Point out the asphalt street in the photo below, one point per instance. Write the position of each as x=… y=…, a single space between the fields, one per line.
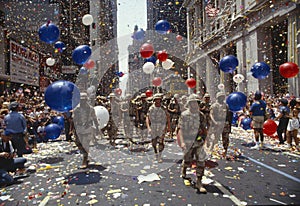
x=117 y=176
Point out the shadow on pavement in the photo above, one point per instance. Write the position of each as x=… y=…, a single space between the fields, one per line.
x=51 y=160
x=84 y=178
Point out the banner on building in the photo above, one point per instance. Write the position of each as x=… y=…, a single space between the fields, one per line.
x=24 y=65
x=69 y=69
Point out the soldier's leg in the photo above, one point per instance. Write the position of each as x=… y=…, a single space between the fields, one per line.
x=161 y=147
x=83 y=151
x=186 y=162
x=154 y=144
x=200 y=166
x=225 y=141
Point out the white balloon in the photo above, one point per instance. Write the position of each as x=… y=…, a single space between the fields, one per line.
x=50 y=61
x=102 y=116
x=91 y=90
x=148 y=67
x=167 y=64
x=238 y=78
x=87 y=19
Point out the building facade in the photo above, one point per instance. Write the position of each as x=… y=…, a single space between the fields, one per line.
x=253 y=31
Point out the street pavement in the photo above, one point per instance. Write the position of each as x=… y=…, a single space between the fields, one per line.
x=118 y=176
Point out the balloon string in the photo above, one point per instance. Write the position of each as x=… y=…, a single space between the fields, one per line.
x=48 y=22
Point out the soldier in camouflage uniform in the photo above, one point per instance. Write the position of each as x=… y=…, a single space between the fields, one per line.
x=205 y=108
x=127 y=121
x=192 y=134
x=174 y=110
x=158 y=123
x=142 y=113
x=84 y=117
x=114 y=116
x=221 y=118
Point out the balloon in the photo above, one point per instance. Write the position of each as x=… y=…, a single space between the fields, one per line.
x=139 y=35
x=179 y=37
x=168 y=64
x=102 y=116
x=52 y=131
x=269 y=127
x=149 y=93
x=228 y=63
x=288 y=70
x=151 y=59
x=236 y=101
x=118 y=91
x=87 y=19
x=148 y=67
x=90 y=64
x=246 y=123
x=62 y=96
x=50 y=61
x=162 y=55
x=60 y=46
x=81 y=54
x=83 y=70
x=238 y=78
x=162 y=26
x=60 y=121
x=260 y=70
x=157 y=81
x=146 y=50
x=191 y=82
x=48 y=33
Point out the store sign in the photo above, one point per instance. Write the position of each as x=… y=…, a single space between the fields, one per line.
x=24 y=65
x=68 y=69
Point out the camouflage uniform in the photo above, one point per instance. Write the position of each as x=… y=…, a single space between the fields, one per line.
x=127 y=121
x=158 y=120
x=192 y=131
x=84 y=118
x=174 y=115
x=221 y=115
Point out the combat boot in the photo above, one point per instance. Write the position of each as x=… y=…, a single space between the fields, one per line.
x=183 y=172
x=199 y=186
x=85 y=161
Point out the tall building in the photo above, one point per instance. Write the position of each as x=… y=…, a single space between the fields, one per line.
x=253 y=31
x=103 y=37
x=22 y=51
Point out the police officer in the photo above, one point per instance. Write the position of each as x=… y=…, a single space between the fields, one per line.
x=158 y=123
x=192 y=134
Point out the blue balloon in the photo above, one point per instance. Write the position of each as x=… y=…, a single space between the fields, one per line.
x=60 y=121
x=49 y=33
x=62 y=96
x=52 y=131
x=246 y=123
x=139 y=35
x=151 y=59
x=81 y=54
x=162 y=26
x=60 y=46
x=228 y=63
x=260 y=70
x=236 y=101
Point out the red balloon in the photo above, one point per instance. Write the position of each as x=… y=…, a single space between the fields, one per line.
x=157 y=81
x=179 y=37
x=288 y=70
x=269 y=127
x=162 y=55
x=191 y=82
x=118 y=91
x=90 y=64
x=146 y=50
x=149 y=93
